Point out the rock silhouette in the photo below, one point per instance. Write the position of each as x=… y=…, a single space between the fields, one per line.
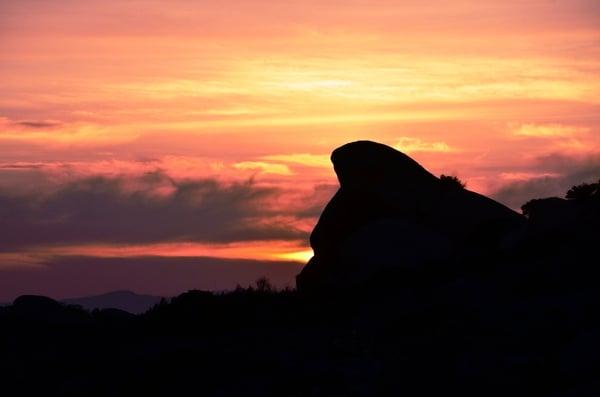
x=391 y=213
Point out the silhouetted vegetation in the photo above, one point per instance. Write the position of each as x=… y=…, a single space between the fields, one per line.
x=530 y=206
x=451 y=182
x=585 y=191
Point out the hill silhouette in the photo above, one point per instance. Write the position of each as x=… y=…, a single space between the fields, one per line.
x=123 y=300
x=418 y=287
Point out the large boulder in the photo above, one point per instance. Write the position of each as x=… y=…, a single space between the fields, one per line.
x=390 y=213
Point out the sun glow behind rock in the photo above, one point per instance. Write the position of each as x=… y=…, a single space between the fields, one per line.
x=298 y=256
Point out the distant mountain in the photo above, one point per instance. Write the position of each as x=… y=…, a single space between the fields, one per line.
x=123 y=300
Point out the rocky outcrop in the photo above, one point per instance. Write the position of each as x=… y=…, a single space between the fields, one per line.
x=391 y=213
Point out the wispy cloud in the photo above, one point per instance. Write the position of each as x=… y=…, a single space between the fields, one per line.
x=305 y=159
x=264 y=167
x=39 y=123
x=56 y=133
x=547 y=130
x=150 y=208
x=556 y=174
x=413 y=145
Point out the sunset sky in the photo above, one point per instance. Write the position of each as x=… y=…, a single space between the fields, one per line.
x=161 y=146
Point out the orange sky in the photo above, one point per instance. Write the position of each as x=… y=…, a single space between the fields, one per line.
x=506 y=95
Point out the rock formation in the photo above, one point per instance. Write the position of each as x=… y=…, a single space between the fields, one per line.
x=390 y=213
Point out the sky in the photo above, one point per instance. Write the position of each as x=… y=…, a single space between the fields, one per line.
x=161 y=146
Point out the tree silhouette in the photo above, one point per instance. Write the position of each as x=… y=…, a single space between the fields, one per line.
x=264 y=285
x=529 y=207
x=585 y=191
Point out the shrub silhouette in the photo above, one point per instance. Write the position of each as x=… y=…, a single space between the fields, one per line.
x=452 y=182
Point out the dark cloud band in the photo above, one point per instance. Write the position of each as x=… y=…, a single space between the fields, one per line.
x=152 y=208
x=571 y=171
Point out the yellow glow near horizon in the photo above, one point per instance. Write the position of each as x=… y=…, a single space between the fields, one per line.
x=257 y=250
x=298 y=256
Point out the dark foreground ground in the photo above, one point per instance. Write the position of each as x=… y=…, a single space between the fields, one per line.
x=492 y=330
